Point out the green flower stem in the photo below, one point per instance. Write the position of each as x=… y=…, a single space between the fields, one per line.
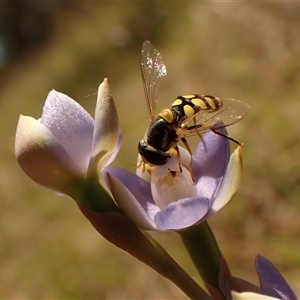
x=120 y=231
x=90 y=194
x=99 y=208
x=204 y=251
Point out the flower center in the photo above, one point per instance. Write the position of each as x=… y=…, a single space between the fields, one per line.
x=172 y=187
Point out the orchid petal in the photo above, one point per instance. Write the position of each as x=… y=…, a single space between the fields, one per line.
x=185 y=157
x=182 y=213
x=139 y=212
x=209 y=162
x=106 y=139
x=271 y=281
x=212 y=154
x=71 y=125
x=230 y=182
x=251 y=296
x=42 y=157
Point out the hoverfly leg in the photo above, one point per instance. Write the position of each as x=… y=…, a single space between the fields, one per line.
x=227 y=137
x=195 y=125
x=186 y=145
x=178 y=158
x=144 y=167
x=195 y=121
x=141 y=165
x=184 y=141
x=175 y=151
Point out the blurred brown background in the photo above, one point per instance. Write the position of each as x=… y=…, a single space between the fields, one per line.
x=247 y=51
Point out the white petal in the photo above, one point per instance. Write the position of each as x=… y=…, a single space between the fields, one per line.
x=230 y=182
x=106 y=133
x=170 y=189
x=43 y=158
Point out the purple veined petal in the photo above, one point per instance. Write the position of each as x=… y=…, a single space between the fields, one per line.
x=71 y=124
x=133 y=196
x=208 y=186
x=271 y=281
x=182 y=213
x=212 y=154
x=43 y=158
x=210 y=160
x=106 y=139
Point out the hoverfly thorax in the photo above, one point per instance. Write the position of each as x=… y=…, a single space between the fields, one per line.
x=188 y=115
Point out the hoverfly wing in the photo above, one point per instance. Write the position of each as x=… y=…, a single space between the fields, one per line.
x=153 y=70
x=231 y=112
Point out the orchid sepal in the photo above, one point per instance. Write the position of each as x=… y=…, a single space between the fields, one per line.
x=125 y=197
x=230 y=182
x=42 y=157
x=107 y=136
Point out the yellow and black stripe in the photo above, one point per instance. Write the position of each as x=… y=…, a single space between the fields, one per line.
x=186 y=106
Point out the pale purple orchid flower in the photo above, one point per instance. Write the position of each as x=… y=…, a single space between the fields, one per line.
x=272 y=284
x=67 y=145
x=271 y=281
x=164 y=202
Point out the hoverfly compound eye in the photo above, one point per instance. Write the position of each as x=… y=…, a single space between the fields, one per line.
x=142 y=145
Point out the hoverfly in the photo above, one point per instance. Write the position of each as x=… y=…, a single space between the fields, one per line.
x=188 y=115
